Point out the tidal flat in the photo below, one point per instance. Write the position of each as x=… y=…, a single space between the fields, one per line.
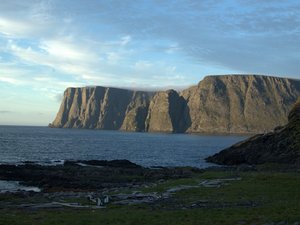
x=120 y=192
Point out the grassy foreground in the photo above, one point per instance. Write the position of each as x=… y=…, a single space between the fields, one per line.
x=257 y=198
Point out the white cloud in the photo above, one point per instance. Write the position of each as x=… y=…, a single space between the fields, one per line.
x=10 y=74
x=113 y=57
x=9 y=80
x=118 y=44
x=66 y=50
x=59 y=55
x=45 y=84
x=41 y=11
x=125 y=40
x=74 y=58
x=41 y=41
x=173 y=48
x=171 y=69
x=142 y=65
x=14 y=28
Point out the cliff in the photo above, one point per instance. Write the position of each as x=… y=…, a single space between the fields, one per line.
x=166 y=113
x=280 y=146
x=240 y=104
x=218 y=104
x=103 y=108
x=136 y=112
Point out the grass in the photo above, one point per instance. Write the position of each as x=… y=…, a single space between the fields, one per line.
x=276 y=197
x=264 y=188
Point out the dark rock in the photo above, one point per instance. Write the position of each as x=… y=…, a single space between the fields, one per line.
x=89 y=175
x=280 y=146
x=112 y=163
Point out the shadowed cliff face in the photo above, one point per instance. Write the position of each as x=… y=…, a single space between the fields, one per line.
x=136 y=112
x=218 y=104
x=166 y=113
x=280 y=146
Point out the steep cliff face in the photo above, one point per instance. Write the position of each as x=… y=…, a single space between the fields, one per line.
x=218 y=104
x=103 y=108
x=137 y=111
x=166 y=113
x=240 y=104
x=280 y=146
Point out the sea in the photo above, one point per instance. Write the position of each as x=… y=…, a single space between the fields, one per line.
x=43 y=145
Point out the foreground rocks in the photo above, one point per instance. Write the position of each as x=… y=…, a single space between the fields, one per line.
x=89 y=175
x=94 y=184
x=87 y=184
x=280 y=146
x=218 y=104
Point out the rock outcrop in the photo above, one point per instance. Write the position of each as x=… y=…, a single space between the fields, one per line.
x=136 y=112
x=103 y=108
x=240 y=104
x=218 y=104
x=280 y=146
x=166 y=112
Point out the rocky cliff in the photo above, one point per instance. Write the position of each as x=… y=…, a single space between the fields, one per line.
x=103 y=108
x=166 y=113
x=240 y=104
x=218 y=104
x=136 y=112
x=280 y=146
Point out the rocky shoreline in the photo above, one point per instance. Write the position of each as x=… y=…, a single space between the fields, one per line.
x=95 y=182
x=89 y=190
x=90 y=175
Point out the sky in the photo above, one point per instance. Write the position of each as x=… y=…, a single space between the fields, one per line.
x=49 y=45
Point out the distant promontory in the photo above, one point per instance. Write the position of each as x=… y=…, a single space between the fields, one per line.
x=218 y=104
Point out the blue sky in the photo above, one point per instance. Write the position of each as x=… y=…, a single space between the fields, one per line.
x=47 y=46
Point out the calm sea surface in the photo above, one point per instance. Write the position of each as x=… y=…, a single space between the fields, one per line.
x=47 y=145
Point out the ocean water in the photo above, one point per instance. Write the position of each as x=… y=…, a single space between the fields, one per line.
x=50 y=145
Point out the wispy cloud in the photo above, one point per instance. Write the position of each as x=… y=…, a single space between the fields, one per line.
x=14 y=28
x=84 y=64
x=125 y=40
x=239 y=35
x=9 y=80
x=58 y=55
x=142 y=65
x=66 y=50
x=113 y=57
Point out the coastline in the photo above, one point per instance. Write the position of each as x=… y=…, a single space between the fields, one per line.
x=241 y=191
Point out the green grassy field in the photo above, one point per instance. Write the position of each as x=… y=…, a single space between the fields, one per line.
x=257 y=198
